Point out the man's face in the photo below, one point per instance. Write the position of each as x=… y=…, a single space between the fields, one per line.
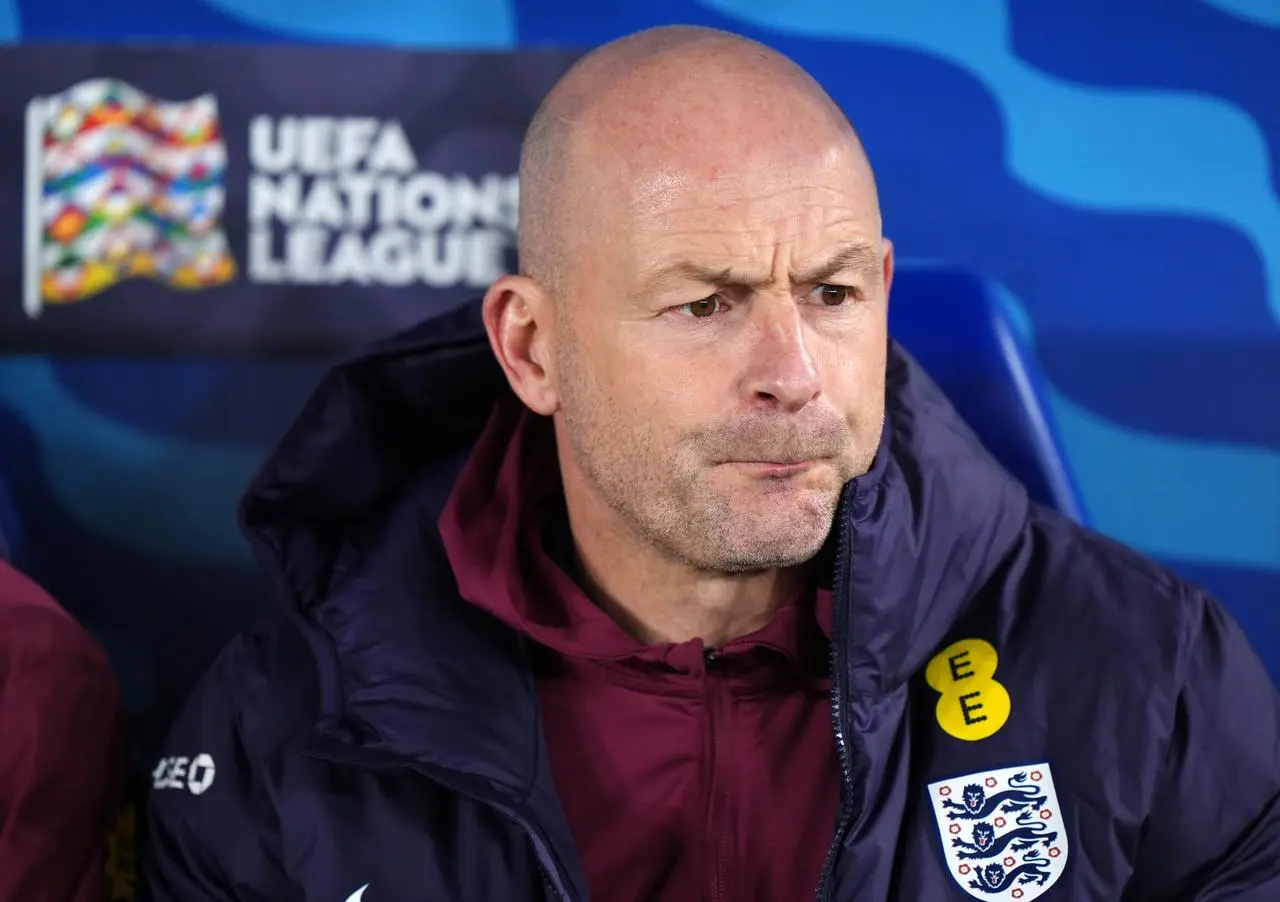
x=721 y=351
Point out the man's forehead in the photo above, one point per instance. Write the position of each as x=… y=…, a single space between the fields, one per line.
x=728 y=224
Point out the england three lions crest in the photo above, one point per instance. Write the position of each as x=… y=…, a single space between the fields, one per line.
x=1002 y=832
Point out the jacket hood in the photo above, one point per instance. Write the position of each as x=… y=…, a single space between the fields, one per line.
x=344 y=515
x=506 y=533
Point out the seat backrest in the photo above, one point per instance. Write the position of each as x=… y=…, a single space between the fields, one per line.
x=125 y=475
x=969 y=340
x=10 y=525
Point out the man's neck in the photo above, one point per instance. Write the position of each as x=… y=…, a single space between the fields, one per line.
x=657 y=599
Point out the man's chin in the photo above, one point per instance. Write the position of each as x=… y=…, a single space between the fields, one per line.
x=767 y=557
x=747 y=543
x=784 y=504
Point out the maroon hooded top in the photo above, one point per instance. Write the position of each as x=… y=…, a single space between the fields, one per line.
x=684 y=775
x=61 y=744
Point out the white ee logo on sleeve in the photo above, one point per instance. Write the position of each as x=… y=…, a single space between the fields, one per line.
x=192 y=774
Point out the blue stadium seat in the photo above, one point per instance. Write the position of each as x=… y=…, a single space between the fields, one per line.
x=10 y=526
x=968 y=337
x=125 y=474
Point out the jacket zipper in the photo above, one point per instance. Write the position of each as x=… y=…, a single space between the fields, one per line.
x=715 y=814
x=550 y=873
x=546 y=863
x=837 y=719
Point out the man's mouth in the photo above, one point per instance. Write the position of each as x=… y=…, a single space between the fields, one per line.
x=773 y=469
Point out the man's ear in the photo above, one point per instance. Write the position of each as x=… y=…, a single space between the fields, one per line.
x=520 y=320
x=887 y=257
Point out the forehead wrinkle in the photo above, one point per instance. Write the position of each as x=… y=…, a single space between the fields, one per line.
x=853 y=255
x=675 y=198
x=806 y=223
x=743 y=240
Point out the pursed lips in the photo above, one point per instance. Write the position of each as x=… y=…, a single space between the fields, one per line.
x=774 y=468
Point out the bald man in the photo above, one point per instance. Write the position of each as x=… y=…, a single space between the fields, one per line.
x=662 y=574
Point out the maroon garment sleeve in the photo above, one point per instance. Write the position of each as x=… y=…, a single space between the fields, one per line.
x=60 y=750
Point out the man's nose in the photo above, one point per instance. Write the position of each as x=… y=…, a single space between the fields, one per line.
x=782 y=371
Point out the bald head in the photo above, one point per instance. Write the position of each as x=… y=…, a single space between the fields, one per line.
x=659 y=104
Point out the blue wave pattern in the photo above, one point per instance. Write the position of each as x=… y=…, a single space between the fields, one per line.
x=1258 y=12
x=1114 y=165
x=475 y=24
x=176 y=498
x=1166 y=44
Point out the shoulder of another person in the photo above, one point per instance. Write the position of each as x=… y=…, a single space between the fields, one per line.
x=36 y=631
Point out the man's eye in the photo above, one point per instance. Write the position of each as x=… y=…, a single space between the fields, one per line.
x=701 y=309
x=835 y=295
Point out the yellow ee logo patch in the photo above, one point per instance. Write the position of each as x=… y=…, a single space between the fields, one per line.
x=973 y=705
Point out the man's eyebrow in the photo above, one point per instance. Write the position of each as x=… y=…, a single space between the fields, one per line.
x=859 y=256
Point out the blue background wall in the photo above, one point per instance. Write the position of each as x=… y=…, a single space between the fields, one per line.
x=1114 y=164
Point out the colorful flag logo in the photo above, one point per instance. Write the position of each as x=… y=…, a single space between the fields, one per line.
x=122 y=185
